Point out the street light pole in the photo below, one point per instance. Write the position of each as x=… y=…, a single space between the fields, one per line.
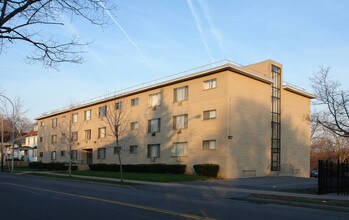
x=13 y=130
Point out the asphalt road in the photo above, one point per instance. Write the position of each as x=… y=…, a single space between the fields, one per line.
x=29 y=197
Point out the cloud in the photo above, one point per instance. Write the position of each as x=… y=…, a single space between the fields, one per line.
x=127 y=36
x=199 y=27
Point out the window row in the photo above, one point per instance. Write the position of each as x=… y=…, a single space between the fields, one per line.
x=179 y=149
x=179 y=94
x=154 y=125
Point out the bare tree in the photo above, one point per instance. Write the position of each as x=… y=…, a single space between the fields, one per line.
x=117 y=120
x=329 y=94
x=26 y=20
x=69 y=135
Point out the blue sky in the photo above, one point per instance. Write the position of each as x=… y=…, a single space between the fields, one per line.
x=155 y=38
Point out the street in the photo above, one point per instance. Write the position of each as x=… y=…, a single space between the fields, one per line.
x=30 y=197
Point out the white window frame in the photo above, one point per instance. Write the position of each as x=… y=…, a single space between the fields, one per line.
x=210 y=84
x=88 y=134
x=53 y=155
x=209 y=144
x=102 y=113
x=180 y=149
x=54 y=122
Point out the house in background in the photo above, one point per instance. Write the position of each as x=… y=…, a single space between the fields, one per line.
x=28 y=151
x=243 y=118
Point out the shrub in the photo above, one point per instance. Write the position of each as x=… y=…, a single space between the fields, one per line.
x=206 y=169
x=51 y=166
x=141 y=168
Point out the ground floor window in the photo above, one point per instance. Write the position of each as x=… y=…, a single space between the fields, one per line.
x=62 y=153
x=74 y=154
x=101 y=153
x=133 y=149
x=153 y=151
x=53 y=155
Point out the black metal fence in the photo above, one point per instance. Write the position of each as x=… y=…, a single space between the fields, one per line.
x=333 y=177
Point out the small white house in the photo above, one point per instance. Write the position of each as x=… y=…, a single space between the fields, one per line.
x=29 y=150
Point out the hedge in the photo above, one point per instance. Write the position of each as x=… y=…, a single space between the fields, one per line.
x=51 y=166
x=141 y=168
x=207 y=169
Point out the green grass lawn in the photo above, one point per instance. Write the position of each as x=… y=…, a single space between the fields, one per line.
x=150 y=177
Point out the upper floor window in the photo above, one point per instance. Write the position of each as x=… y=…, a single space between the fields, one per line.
x=118 y=105
x=102 y=132
x=102 y=111
x=88 y=134
x=210 y=114
x=74 y=136
x=180 y=94
x=179 y=149
x=87 y=115
x=154 y=125
x=209 y=145
x=63 y=118
x=54 y=122
x=210 y=84
x=53 y=139
x=75 y=117
x=154 y=99
x=134 y=101
x=42 y=124
x=41 y=139
x=180 y=122
x=134 y=125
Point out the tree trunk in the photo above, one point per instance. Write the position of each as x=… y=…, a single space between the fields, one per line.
x=120 y=164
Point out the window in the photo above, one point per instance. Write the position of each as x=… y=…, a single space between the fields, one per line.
x=209 y=145
x=74 y=154
x=210 y=84
x=41 y=154
x=153 y=151
x=211 y=114
x=53 y=139
x=41 y=139
x=101 y=153
x=54 y=122
x=154 y=99
x=63 y=118
x=154 y=125
x=103 y=111
x=88 y=134
x=180 y=94
x=134 y=101
x=75 y=118
x=42 y=124
x=74 y=136
x=53 y=155
x=35 y=152
x=133 y=149
x=117 y=150
x=134 y=125
x=118 y=105
x=87 y=115
x=101 y=132
x=35 y=140
x=179 y=149
x=62 y=153
x=28 y=141
x=180 y=122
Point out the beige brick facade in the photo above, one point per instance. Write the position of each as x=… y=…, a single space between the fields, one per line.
x=227 y=114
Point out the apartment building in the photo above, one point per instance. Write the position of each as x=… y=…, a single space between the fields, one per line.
x=240 y=117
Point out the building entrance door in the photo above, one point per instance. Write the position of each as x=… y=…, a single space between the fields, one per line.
x=89 y=157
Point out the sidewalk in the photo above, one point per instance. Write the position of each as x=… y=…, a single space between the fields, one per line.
x=207 y=189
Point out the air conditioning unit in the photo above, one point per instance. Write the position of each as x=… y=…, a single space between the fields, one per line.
x=179 y=131
x=153 y=134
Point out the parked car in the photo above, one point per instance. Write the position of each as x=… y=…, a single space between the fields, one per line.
x=314 y=173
